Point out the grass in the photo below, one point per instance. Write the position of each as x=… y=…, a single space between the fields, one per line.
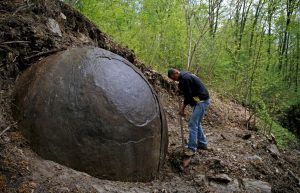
x=284 y=138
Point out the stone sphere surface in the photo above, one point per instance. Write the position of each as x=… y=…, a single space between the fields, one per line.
x=92 y=110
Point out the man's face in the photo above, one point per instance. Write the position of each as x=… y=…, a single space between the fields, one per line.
x=175 y=76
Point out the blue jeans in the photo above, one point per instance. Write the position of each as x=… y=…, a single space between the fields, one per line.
x=196 y=136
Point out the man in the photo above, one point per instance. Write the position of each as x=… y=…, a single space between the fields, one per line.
x=197 y=96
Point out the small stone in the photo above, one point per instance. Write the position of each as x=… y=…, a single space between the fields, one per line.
x=247 y=136
x=63 y=16
x=254 y=158
x=221 y=178
x=54 y=27
x=230 y=187
x=273 y=150
x=5 y=138
x=254 y=146
x=200 y=179
x=252 y=185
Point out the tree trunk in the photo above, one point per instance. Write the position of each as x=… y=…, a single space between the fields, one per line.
x=271 y=9
x=297 y=61
x=283 y=58
x=256 y=17
x=190 y=39
x=213 y=15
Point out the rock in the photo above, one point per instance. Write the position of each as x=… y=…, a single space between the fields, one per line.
x=63 y=15
x=254 y=146
x=92 y=110
x=220 y=178
x=252 y=185
x=54 y=27
x=200 y=179
x=98 y=188
x=5 y=139
x=203 y=181
x=246 y=136
x=233 y=186
x=215 y=163
x=254 y=158
x=272 y=148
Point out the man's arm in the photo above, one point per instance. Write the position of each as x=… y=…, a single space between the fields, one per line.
x=187 y=92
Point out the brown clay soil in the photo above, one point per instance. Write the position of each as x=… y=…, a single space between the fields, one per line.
x=26 y=37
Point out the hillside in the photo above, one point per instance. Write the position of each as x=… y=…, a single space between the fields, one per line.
x=241 y=160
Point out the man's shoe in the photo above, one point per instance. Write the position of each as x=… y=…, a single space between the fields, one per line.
x=188 y=152
x=202 y=147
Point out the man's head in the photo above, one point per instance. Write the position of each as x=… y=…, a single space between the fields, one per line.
x=174 y=74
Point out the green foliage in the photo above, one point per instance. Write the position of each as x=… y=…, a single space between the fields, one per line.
x=154 y=29
x=283 y=136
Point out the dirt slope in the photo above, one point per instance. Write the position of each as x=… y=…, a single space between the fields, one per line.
x=241 y=160
x=23 y=171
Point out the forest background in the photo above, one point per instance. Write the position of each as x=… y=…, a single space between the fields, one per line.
x=246 y=50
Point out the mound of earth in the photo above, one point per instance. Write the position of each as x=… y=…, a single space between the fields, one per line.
x=240 y=161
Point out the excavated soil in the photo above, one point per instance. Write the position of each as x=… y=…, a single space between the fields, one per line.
x=29 y=32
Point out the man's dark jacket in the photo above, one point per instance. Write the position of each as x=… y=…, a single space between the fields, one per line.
x=192 y=86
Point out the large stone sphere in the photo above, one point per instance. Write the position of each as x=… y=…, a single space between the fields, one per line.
x=93 y=111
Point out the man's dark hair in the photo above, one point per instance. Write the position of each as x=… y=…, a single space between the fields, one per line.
x=171 y=71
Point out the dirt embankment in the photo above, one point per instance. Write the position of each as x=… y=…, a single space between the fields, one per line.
x=241 y=160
